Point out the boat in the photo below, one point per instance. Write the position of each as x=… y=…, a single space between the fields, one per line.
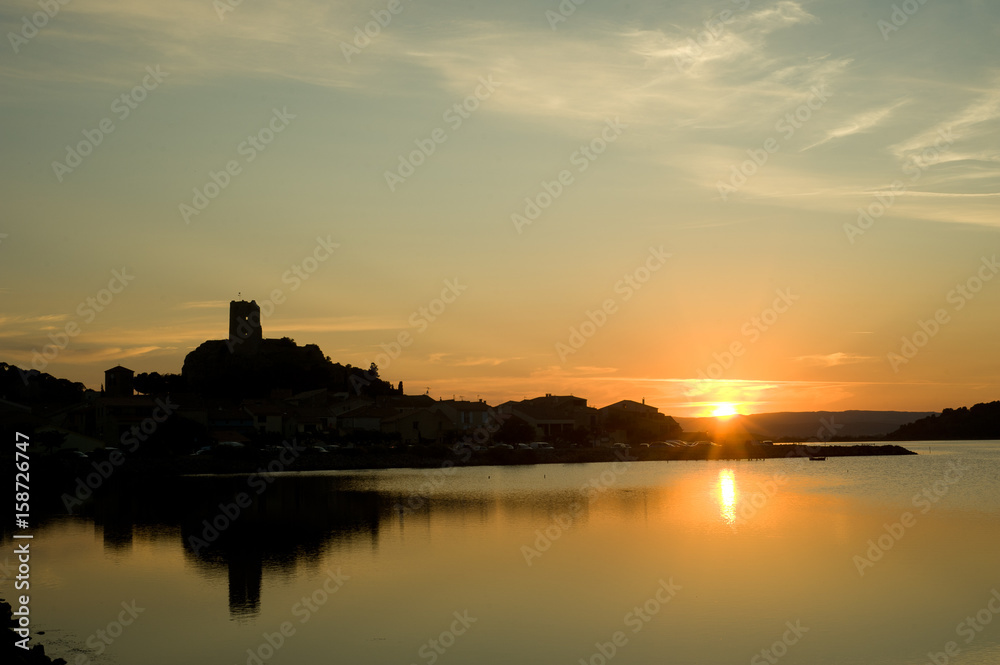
x=817 y=459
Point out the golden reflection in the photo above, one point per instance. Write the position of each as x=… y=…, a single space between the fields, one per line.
x=727 y=495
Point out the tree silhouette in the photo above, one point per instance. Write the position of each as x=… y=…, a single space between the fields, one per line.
x=981 y=421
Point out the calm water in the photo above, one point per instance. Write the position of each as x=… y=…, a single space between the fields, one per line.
x=670 y=562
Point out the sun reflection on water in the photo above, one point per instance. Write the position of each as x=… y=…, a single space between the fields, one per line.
x=727 y=495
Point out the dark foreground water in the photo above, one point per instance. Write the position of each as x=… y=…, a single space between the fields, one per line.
x=875 y=561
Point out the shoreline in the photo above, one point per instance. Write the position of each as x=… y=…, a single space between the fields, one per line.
x=14 y=654
x=76 y=480
x=360 y=459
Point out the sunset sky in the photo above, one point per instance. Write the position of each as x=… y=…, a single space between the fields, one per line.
x=359 y=191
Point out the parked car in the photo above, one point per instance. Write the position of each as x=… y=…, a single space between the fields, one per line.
x=72 y=454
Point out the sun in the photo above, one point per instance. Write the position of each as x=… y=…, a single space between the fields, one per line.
x=724 y=410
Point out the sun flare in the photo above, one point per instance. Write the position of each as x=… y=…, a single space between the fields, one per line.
x=724 y=410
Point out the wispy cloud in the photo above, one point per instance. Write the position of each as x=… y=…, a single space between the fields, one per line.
x=974 y=125
x=984 y=109
x=25 y=320
x=743 y=37
x=474 y=361
x=860 y=123
x=835 y=359
x=329 y=324
x=218 y=305
x=81 y=354
x=595 y=73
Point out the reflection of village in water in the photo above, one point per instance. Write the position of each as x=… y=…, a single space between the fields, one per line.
x=299 y=518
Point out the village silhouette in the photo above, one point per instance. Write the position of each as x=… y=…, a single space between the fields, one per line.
x=248 y=393
x=251 y=390
x=128 y=456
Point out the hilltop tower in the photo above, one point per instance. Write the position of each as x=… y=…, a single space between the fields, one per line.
x=245 y=332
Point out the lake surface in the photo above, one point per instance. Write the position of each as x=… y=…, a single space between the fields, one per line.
x=878 y=560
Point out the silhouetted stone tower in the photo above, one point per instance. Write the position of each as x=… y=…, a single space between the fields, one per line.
x=245 y=332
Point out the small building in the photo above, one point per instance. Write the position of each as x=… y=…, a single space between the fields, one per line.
x=464 y=414
x=417 y=426
x=118 y=415
x=269 y=416
x=553 y=416
x=637 y=422
x=118 y=382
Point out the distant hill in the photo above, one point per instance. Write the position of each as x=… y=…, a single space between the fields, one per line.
x=809 y=424
x=981 y=421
